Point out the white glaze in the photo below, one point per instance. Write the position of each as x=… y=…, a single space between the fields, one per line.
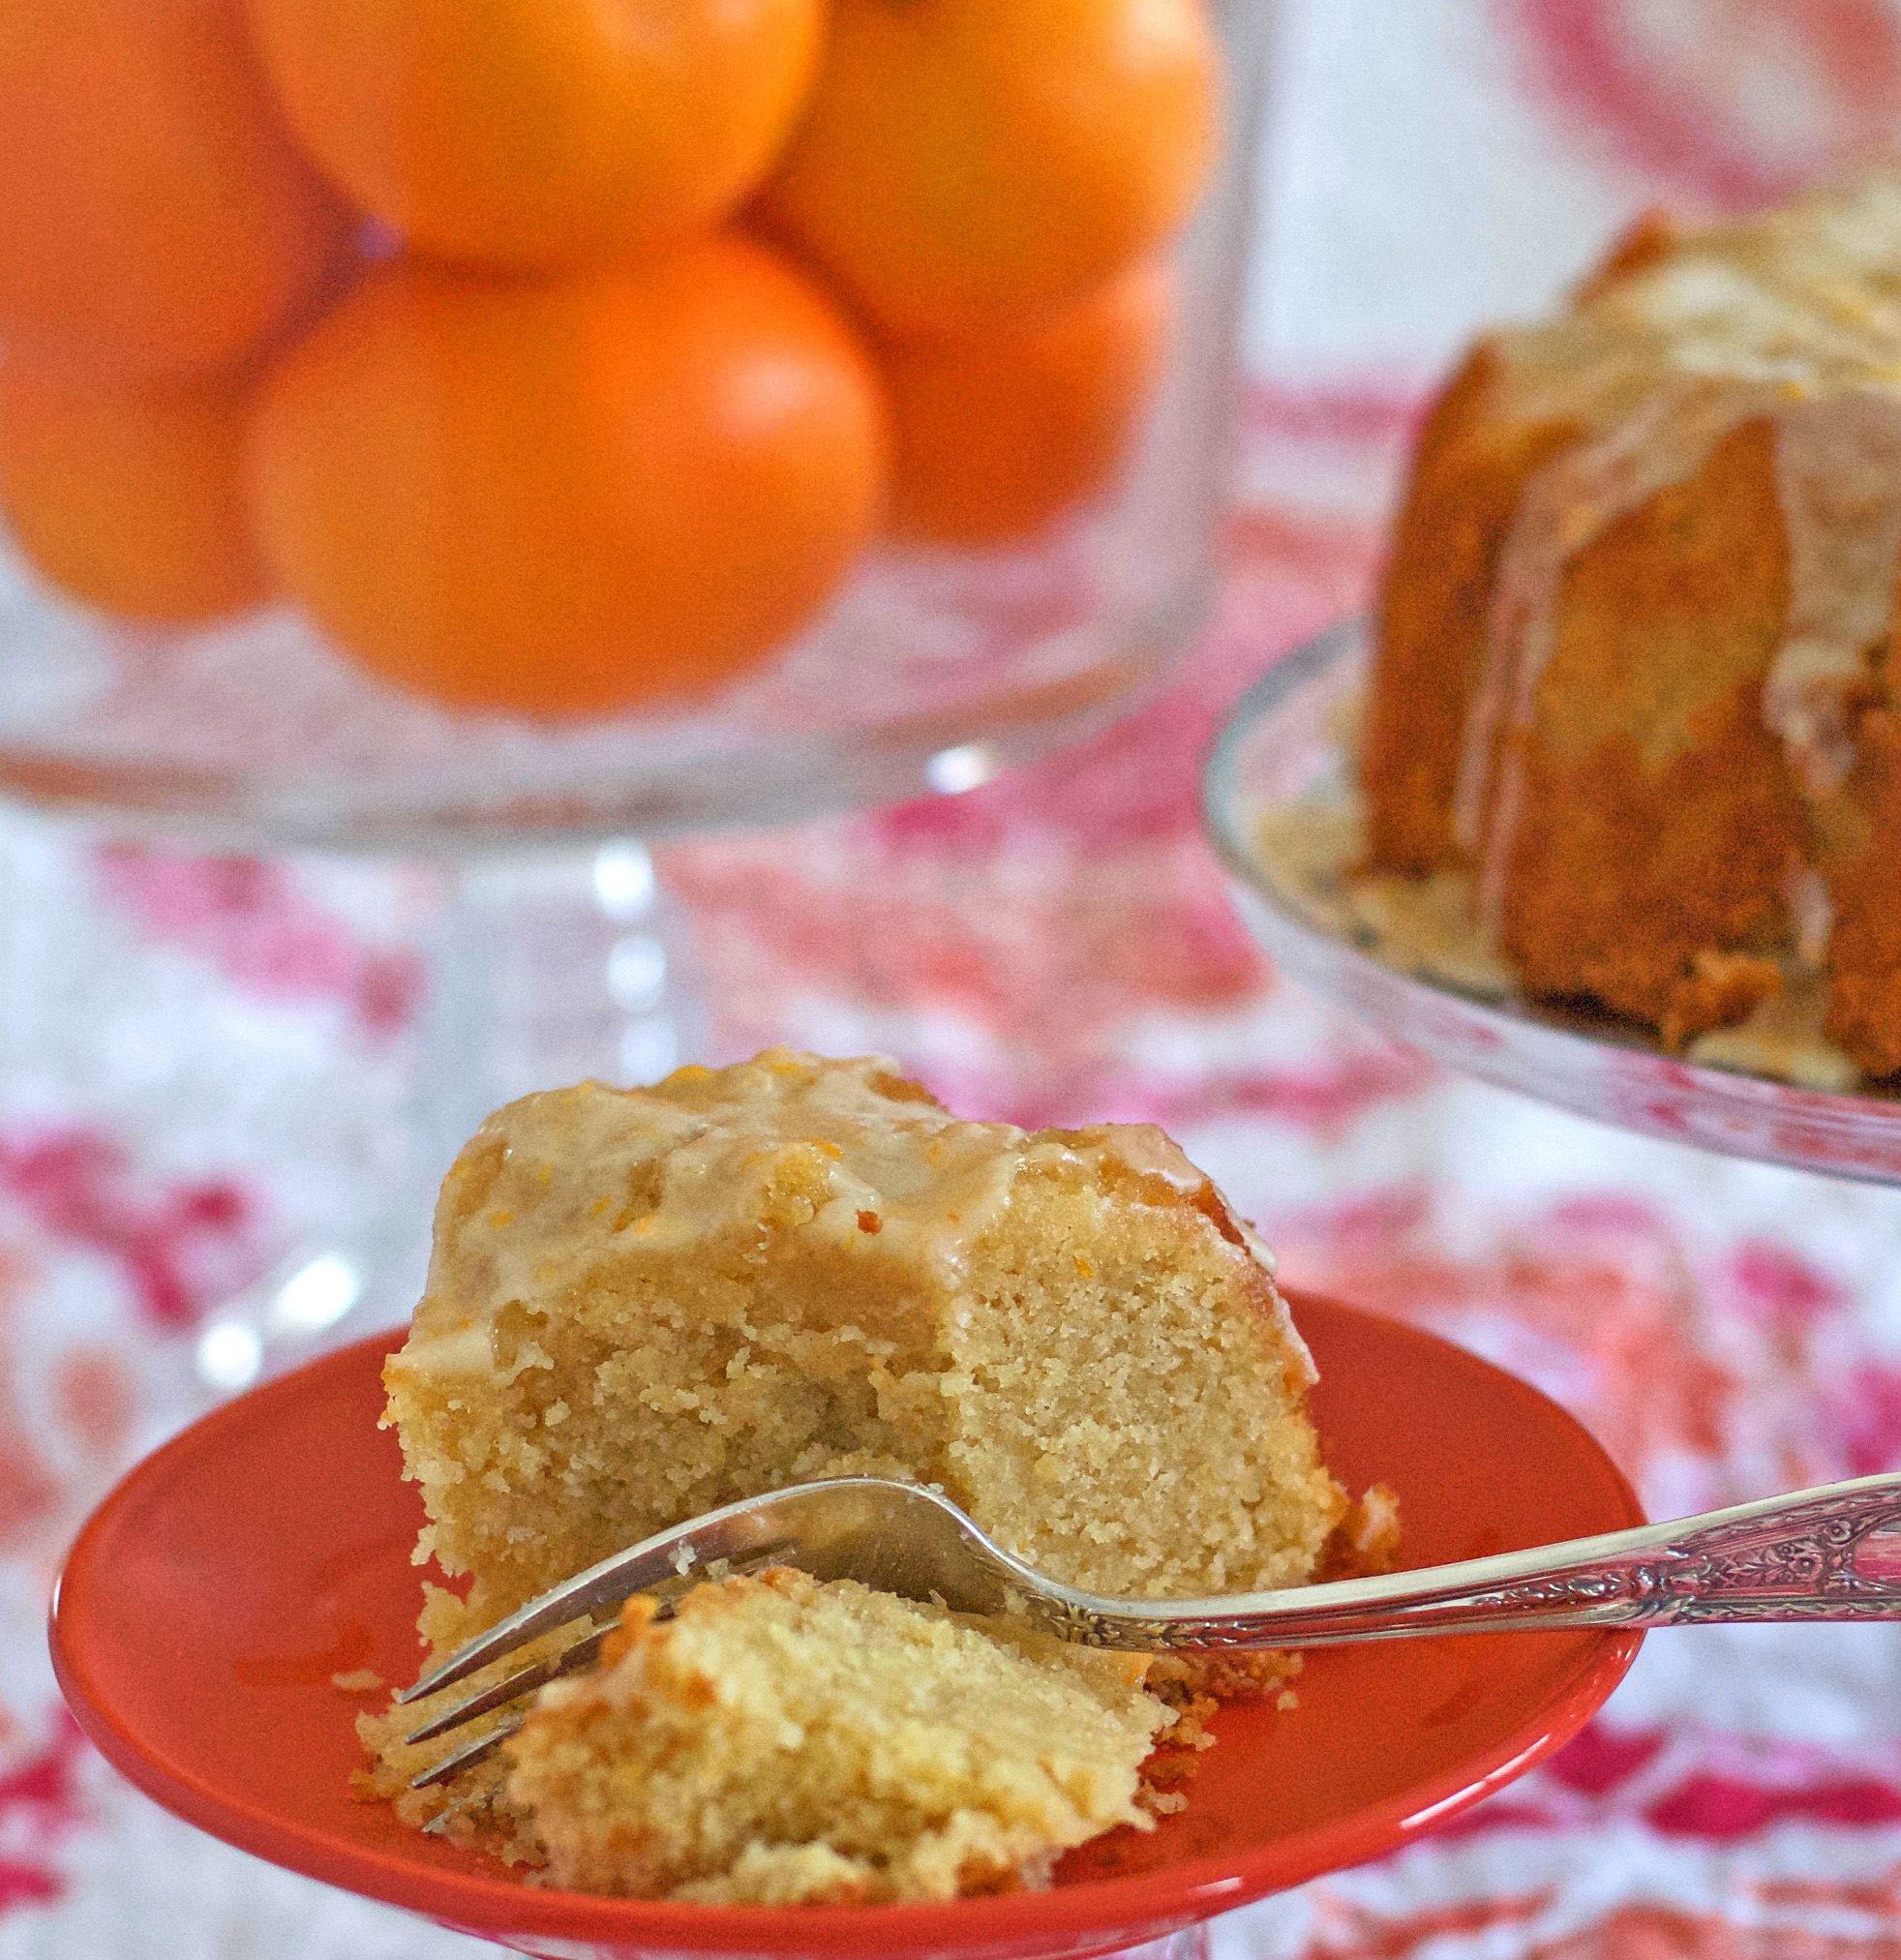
x=1792 y=317
x=897 y=1177
x=1838 y=479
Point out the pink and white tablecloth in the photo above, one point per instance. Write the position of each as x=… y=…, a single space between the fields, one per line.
x=1056 y=947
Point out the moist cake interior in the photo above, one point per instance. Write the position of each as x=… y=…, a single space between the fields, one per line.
x=646 y=1304
x=782 y=1741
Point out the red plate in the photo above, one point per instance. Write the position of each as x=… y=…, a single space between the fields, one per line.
x=211 y=1597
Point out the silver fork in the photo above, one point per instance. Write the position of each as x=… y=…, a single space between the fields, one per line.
x=1809 y=1556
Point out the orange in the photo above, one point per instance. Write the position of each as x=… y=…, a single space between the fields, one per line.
x=153 y=217
x=967 y=163
x=541 y=131
x=563 y=496
x=994 y=435
x=130 y=496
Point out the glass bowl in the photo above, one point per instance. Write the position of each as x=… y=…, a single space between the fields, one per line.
x=534 y=937
x=929 y=668
x=1285 y=749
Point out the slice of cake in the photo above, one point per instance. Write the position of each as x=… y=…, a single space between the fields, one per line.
x=779 y=1741
x=644 y=1303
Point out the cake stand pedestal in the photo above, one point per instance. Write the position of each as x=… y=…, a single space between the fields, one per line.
x=219 y=1016
x=551 y=968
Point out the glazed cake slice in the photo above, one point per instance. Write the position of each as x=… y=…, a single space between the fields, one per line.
x=780 y=1741
x=646 y=1303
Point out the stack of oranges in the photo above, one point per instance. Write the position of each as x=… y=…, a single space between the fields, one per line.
x=552 y=354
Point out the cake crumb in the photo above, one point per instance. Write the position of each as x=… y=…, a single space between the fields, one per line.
x=357 y=1681
x=1313 y=852
x=1720 y=990
x=665 y=1772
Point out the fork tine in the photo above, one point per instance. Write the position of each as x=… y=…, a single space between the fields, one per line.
x=609 y=1582
x=578 y=1655
x=570 y=1659
x=466 y=1757
x=652 y=1565
x=833 y=1528
x=524 y=1680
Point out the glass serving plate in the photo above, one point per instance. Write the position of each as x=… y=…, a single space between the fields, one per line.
x=1286 y=749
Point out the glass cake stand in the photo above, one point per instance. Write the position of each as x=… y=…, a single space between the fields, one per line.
x=509 y=866
x=508 y=860
x=1282 y=772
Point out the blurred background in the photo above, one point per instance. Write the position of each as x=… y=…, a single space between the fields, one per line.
x=1053 y=945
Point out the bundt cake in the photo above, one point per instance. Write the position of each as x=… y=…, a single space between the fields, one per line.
x=1632 y=669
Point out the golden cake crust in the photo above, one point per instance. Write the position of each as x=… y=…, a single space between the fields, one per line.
x=1858 y=853
x=1659 y=818
x=1637 y=611
x=1472 y=463
x=1477 y=451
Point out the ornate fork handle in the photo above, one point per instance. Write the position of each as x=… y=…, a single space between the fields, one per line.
x=1785 y=1558
x=1822 y=1553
